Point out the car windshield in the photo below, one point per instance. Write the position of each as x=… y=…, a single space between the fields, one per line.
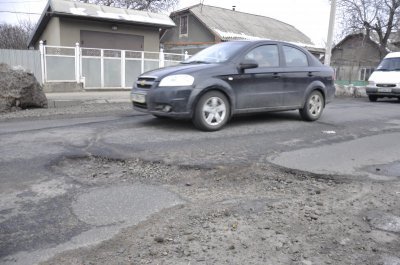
x=389 y=64
x=217 y=53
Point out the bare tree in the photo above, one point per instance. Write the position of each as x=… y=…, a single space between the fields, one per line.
x=379 y=17
x=149 y=5
x=15 y=36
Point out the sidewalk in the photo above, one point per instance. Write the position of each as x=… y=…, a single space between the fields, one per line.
x=57 y=100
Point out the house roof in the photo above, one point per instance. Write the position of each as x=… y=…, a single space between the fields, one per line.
x=64 y=8
x=227 y=24
x=392 y=45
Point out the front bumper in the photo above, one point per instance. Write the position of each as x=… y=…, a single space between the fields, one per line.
x=383 y=91
x=163 y=101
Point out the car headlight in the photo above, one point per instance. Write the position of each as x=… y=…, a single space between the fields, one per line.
x=371 y=83
x=177 y=80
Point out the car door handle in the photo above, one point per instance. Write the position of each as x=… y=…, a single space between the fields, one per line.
x=276 y=75
x=310 y=74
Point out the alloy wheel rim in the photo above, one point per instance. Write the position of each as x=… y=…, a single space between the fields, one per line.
x=214 y=111
x=315 y=105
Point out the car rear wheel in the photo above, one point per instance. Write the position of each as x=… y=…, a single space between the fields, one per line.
x=313 y=107
x=372 y=98
x=211 y=112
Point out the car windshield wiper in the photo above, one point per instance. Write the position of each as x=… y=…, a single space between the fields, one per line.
x=195 y=62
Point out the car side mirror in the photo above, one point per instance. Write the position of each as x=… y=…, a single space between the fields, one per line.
x=248 y=64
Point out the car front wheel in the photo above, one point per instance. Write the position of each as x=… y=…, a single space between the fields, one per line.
x=313 y=107
x=372 y=98
x=211 y=112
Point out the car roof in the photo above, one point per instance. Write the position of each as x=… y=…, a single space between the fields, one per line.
x=393 y=55
x=270 y=42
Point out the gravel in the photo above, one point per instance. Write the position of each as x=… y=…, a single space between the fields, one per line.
x=247 y=214
x=238 y=214
x=69 y=111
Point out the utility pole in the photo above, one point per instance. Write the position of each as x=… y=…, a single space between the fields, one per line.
x=328 y=50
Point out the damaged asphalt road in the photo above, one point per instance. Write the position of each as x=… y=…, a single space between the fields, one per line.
x=127 y=188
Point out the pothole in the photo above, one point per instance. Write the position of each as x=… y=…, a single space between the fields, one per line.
x=384 y=221
x=127 y=205
x=93 y=170
x=390 y=260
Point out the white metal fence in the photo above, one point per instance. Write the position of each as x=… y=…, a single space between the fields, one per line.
x=100 y=68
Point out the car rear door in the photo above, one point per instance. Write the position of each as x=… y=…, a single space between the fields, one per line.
x=259 y=87
x=296 y=76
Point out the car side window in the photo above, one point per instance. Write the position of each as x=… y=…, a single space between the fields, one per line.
x=265 y=56
x=294 y=57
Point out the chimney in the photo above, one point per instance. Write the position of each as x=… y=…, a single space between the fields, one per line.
x=233 y=8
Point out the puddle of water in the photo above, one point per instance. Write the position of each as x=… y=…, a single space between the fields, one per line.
x=390 y=170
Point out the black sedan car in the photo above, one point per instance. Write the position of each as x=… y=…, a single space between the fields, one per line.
x=236 y=77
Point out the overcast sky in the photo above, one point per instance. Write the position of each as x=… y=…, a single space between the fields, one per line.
x=309 y=16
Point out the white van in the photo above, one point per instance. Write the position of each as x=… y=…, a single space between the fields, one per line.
x=385 y=80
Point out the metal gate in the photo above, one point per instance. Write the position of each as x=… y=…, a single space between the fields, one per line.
x=101 y=68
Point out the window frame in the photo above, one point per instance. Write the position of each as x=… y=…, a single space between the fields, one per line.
x=263 y=45
x=364 y=72
x=294 y=48
x=181 y=21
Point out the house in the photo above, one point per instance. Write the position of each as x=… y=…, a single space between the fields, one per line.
x=356 y=56
x=65 y=23
x=200 y=26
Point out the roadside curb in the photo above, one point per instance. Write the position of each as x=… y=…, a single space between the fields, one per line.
x=351 y=91
x=69 y=99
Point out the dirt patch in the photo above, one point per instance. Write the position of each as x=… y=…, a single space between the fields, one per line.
x=243 y=214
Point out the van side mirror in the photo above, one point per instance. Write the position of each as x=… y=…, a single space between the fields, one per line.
x=248 y=64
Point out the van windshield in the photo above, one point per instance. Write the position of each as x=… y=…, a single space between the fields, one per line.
x=389 y=64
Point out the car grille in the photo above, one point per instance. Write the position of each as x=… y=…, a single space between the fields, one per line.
x=386 y=85
x=145 y=82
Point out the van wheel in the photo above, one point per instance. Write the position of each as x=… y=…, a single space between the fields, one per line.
x=313 y=107
x=211 y=112
x=372 y=98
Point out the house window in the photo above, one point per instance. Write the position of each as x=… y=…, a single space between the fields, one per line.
x=183 y=30
x=365 y=73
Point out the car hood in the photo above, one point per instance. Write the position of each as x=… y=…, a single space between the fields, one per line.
x=179 y=69
x=381 y=77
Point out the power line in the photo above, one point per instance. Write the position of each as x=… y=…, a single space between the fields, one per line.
x=19 y=2
x=16 y=12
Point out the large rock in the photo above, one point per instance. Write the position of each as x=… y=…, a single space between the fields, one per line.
x=19 y=90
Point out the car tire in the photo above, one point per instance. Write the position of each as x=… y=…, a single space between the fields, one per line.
x=211 y=112
x=372 y=98
x=313 y=106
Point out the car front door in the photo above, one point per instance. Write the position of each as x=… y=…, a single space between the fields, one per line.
x=260 y=87
x=296 y=76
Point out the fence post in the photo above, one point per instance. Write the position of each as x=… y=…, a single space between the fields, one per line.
x=161 y=61
x=123 y=63
x=77 y=63
x=102 y=68
x=186 y=55
x=142 y=64
x=42 y=61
